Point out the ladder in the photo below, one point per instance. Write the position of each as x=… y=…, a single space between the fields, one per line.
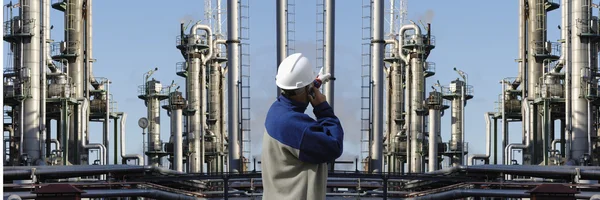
x=245 y=80
x=291 y=27
x=320 y=61
x=365 y=114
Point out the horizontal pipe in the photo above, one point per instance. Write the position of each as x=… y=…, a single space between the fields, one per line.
x=148 y=193
x=25 y=172
x=488 y=146
x=585 y=172
x=464 y=193
x=124 y=156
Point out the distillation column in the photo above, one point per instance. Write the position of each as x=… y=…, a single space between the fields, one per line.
x=458 y=93
x=233 y=90
x=177 y=103
x=377 y=91
x=153 y=95
x=580 y=60
x=395 y=118
x=214 y=121
x=536 y=37
x=435 y=106
x=74 y=52
x=30 y=75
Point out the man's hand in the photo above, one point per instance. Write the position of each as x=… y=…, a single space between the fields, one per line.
x=318 y=99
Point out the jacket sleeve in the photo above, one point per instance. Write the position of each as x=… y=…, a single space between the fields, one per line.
x=322 y=140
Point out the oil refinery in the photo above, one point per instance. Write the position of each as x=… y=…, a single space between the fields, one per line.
x=54 y=104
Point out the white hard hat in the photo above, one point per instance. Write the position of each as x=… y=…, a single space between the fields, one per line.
x=294 y=72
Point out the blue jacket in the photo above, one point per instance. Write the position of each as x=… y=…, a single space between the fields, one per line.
x=296 y=149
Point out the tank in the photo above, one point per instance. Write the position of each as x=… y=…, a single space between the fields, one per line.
x=98 y=105
x=59 y=88
x=551 y=88
x=512 y=105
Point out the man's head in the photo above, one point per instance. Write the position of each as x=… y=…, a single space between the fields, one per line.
x=295 y=77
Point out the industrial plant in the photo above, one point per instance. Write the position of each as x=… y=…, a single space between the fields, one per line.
x=52 y=99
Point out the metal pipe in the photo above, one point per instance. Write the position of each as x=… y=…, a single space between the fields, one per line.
x=56 y=144
x=554 y=142
x=522 y=42
x=330 y=49
x=99 y=147
x=506 y=193
x=30 y=74
x=434 y=117
x=106 y=119
x=580 y=60
x=233 y=90
x=176 y=118
x=281 y=18
x=510 y=147
x=377 y=78
x=107 y=193
x=505 y=135
x=407 y=109
x=43 y=83
x=124 y=156
x=566 y=24
x=74 y=38
x=488 y=142
x=67 y=171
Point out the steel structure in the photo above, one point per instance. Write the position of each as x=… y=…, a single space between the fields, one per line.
x=403 y=153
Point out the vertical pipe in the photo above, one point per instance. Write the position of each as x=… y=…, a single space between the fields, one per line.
x=566 y=148
x=330 y=49
x=456 y=135
x=116 y=139
x=434 y=117
x=233 y=84
x=416 y=121
x=504 y=122
x=106 y=119
x=153 y=89
x=281 y=32
x=537 y=37
x=74 y=40
x=396 y=99
x=462 y=120
x=31 y=74
x=408 y=110
x=377 y=77
x=496 y=141
x=177 y=131
x=195 y=123
x=44 y=55
x=522 y=41
x=579 y=61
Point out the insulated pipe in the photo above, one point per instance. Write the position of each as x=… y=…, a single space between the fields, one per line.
x=124 y=156
x=330 y=49
x=107 y=193
x=522 y=42
x=68 y=171
x=56 y=144
x=407 y=107
x=488 y=141
x=100 y=147
x=176 y=118
x=506 y=193
x=74 y=38
x=30 y=74
x=580 y=60
x=377 y=79
x=566 y=10
x=233 y=90
x=403 y=29
x=434 y=117
x=505 y=135
x=43 y=83
x=510 y=147
x=106 y=118
x=281 y=34
x=554 y=142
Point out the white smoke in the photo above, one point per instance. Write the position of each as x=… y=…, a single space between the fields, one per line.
x=187 y=18
x=427 y=17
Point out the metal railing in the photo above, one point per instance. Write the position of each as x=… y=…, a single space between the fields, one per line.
x=181 y=67
x=547 y=48
x=429 y=67
x=142 y=91
x=61 y=48
x=447 y=90
x=413 y=39
x=18 y=26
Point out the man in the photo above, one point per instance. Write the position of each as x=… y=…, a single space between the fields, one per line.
x=296 y=148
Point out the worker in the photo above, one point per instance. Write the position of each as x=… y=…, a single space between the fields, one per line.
x=296 y=148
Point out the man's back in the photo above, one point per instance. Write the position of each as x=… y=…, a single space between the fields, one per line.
x=296 y=149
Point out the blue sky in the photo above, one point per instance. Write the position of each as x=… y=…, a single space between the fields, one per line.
x=132 y=37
